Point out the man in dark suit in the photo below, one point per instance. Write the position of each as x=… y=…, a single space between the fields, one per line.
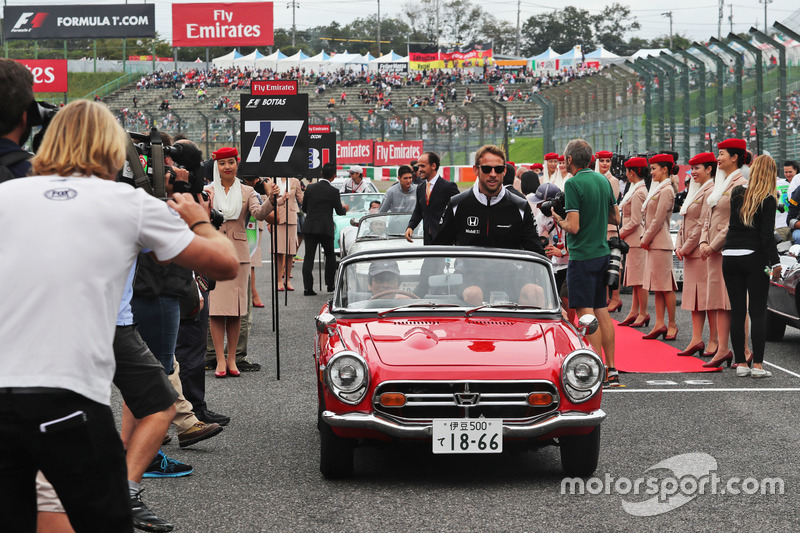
x=432 y=197
x=320 y=201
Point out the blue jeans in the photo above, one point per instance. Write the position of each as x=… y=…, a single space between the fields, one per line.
x=158 y=320
x=796 y=236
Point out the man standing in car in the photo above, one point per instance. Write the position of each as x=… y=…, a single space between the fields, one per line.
x=432 y=197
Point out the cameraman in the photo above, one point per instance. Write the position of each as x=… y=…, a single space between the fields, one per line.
x=16 y=86
x=590 y=207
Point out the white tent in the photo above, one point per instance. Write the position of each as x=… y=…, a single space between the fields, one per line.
x=248 y=61
x=316 y=63
x=391 y=57
x=270 y=61
x=547 y=54
x=226 y=61
x=346 y=58
x=601 y=54
x=571 y=58
x=291 y=61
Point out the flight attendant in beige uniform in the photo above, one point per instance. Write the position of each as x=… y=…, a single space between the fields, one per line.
x=550 y=167
x=687 y=249
x=656 y=240
x=631 y=232
x=715 y=229
x=603 y=166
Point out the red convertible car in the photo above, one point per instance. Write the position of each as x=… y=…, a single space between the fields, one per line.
x=462 y=348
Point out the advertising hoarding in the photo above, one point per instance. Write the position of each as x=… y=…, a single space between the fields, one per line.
x=222 y=24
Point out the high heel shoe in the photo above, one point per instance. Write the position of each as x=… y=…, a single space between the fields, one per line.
x=718 y=363
x=711 y=354
x=628 y=321
x=656 y=333
x=643 y=323
x=691 y=350
x=672 y=337
x=220 y=374
x=234 y=373
x=615 y=309
x=747 y=362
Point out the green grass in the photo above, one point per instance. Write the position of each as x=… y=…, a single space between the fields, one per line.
x=81 y=84
x=525 y=150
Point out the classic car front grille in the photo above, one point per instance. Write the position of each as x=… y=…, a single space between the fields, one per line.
x=426 y=400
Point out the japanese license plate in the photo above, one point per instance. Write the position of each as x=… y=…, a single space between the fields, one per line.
x=457 y=435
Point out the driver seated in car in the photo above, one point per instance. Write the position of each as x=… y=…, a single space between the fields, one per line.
x=529 y=294
x=377 y=228
x=384 y=280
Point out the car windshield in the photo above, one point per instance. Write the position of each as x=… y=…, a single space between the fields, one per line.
x=413 y=282
x=359 y=202
x=387 y=226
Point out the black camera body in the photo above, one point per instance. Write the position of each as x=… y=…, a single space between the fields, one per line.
x=147 y=149
x=619 y=248
x=555 y=205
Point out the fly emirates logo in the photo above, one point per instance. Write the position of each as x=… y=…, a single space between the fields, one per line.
x=222 y=27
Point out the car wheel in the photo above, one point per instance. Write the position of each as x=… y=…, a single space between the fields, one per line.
x=579 y=453
x=335 y=454
x=776 y=327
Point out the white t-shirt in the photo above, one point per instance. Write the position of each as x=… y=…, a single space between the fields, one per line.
x=67 y=245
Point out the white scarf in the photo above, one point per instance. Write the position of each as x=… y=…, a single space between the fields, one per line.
x=230 y=203
x=283 y=185
x=691 y=194
x=546 y=178
x=629 y=193
x=560 y=180
x=654 y=188
x=721 y=182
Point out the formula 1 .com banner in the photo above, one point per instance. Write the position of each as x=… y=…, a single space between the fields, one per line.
x=79 y=21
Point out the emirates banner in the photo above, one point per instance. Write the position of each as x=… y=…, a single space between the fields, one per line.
x=49 y=75
x=354 y=152
x=321 y=148
x=79 y=21
x=397 y=152
x=235 y=24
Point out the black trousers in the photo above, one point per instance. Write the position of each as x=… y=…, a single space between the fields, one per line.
x=190 y=352
x=311 y=242
x=744 y=276
x=82 y=456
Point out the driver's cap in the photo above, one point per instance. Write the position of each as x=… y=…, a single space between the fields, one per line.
x=383 y=266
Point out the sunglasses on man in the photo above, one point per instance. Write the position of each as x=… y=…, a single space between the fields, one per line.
x=487 y=169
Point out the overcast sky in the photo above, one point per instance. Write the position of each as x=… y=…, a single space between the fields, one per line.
x=694 y=18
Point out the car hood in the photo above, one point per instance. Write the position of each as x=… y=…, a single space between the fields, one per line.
x=462 y=342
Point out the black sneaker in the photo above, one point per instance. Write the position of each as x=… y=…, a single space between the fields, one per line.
x=144 y=518
x=210 y=417
x=163 y=466
x=246 y=366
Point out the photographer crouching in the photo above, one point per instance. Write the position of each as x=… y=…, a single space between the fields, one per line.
x=590 y=206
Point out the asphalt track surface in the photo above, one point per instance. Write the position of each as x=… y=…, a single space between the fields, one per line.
x=262 y=472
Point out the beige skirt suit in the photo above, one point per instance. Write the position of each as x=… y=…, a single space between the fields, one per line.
x=614 y=182
x=695 y=270
x=658 y=271
x=715 y=230
x=295 y=194
x=631 y=232
x=229 y=298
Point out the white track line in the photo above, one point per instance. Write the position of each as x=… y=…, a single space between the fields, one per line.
x=743 y=389
x=782 y=369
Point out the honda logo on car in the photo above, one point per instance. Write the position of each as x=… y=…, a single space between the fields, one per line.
x=234 y=24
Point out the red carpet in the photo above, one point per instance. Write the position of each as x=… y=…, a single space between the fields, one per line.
x=634 y=354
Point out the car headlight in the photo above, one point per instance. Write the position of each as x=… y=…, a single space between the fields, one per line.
x=581 y=375
x=348 y=376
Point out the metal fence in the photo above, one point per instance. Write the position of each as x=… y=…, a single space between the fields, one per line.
x=688 y=100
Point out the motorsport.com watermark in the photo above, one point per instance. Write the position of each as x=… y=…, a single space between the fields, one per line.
x=693 y=474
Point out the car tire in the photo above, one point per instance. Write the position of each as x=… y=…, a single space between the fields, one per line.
x=335 y=454
x=580 y=453
x=776 y=327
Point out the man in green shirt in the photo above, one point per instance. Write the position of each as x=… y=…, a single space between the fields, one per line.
x=590 y=207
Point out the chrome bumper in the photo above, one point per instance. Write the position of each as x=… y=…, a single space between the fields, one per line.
x=393 y=428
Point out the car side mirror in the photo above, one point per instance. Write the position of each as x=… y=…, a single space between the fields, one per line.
x=587 y=324
x=355 y=222
x=326 y=323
